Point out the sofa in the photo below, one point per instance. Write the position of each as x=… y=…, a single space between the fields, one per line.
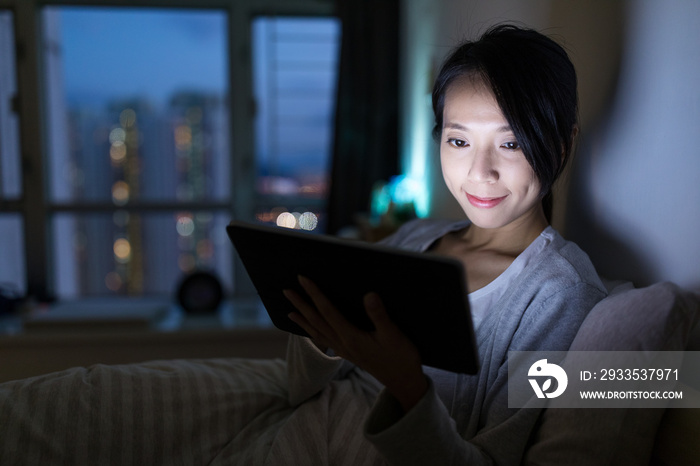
x=660 y=317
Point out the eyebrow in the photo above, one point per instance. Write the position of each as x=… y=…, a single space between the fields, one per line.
x=451 y=125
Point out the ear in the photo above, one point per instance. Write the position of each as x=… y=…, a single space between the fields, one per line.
x=574 y=133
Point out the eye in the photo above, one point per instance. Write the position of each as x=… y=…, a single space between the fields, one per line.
x=457 y=142
x=512 y=145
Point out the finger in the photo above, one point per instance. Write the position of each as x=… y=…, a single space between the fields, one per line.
x=307 y=316
x=325 y=307
x=315 y=293
x=299 y=319
x=297 y=301
x=311 y=331
x=374 y=306
x=320 y=342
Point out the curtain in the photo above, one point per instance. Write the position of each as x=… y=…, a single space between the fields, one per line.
x=366 y=125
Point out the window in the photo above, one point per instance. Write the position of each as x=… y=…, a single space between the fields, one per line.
x=294 y=69
x=10 y=176
x=139 y=152
x=12 y=271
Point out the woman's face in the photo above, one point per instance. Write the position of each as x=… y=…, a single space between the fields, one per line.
x=482 y=163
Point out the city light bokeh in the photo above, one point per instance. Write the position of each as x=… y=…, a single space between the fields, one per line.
x=128 y=132
x=294 y=82
x=155 y=130
x=140 y=157
x=295 y=220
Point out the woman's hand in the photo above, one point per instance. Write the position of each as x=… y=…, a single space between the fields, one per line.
x=385 y=352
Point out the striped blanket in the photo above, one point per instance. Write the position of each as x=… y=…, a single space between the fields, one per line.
x=183 y=412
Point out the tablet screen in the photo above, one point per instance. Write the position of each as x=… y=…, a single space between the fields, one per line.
x=424 y=294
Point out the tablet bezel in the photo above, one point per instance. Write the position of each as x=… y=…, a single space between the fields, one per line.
x=345 y=270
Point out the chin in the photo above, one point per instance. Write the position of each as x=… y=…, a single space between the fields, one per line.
x=488 y=225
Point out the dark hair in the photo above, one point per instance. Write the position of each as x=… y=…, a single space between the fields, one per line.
x=534 y=83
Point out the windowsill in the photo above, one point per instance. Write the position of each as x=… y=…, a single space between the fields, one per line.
x=124 y=315
x=240 y=328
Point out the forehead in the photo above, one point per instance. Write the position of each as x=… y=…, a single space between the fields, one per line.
x=468 y=97
x=474 y=81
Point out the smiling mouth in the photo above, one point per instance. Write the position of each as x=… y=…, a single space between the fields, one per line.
x=484 y=202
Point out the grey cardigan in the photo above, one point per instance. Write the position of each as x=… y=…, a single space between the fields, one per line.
x=465 y=419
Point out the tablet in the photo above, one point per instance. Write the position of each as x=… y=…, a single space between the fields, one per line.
x=424 y=294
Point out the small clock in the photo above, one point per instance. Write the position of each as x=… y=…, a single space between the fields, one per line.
x=200 y=292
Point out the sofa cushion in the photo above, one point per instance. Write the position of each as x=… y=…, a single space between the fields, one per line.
x=659 y=317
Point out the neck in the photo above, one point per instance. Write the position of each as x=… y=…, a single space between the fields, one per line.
x=511 y=239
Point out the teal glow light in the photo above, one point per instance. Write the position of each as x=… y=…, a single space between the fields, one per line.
x=417 y=145
x=381 y=199
x=418 y=149
x=403 y=189
x=419 y=65
x=397 y=198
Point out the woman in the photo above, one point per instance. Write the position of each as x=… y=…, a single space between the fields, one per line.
x=506 y=116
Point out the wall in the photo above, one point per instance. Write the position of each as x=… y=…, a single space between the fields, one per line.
x=636 y=204
x=635 y=170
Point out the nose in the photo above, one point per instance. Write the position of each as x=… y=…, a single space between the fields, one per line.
x=483 y=167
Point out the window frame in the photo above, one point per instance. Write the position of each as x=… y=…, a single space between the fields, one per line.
x=34 y=204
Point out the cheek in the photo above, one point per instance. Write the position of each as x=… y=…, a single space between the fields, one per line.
x=523 y=179
x=534 y=185
x=445 y=167
x=450 y=173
